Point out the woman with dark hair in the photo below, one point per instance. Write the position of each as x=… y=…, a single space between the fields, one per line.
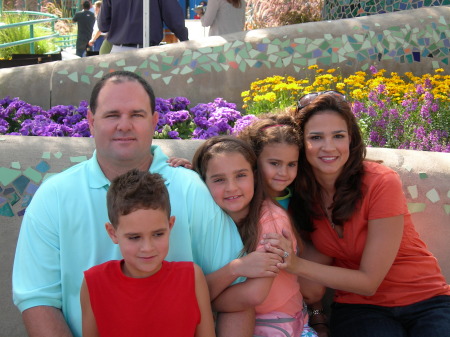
x=387 y=282
x=224 y=16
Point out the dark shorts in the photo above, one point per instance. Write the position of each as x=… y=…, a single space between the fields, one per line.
x=429 y=318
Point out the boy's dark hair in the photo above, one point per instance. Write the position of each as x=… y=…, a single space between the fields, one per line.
x=86 y=5
x=136 y=190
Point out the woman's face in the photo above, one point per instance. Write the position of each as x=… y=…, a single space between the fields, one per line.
x=327 y=143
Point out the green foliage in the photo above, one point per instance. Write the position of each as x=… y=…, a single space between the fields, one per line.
x=22 y=33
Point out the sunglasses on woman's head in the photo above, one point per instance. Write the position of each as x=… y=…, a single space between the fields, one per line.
x=308 y=98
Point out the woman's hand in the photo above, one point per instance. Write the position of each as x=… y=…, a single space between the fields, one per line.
x=175 y=162
x=282 y=246
x=256 y=264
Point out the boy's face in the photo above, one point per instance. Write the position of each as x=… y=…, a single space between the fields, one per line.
x=143 y=237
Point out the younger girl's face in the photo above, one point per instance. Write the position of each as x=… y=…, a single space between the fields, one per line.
x=278 y=163
x=230 y=179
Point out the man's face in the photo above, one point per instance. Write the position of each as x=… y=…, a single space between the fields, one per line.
x=123 y=125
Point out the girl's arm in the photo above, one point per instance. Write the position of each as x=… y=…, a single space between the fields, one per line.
x=254 y=265
x=89 y=324
x=243 y=295
x=383 y=241
x=206 y=326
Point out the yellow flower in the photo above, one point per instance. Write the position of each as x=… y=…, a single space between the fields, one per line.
x=340 y=86
x=313 y=66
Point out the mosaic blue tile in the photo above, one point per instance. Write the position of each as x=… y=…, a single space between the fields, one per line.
x=20 y=184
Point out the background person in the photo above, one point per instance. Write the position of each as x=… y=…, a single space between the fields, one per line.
x=142 y=294
x=97 y=37
x=224 y=16
x=85 y=22
x=387 y=282
x=61 y=234
x=123 y=22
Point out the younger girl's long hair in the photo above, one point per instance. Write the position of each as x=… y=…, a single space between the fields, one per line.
x=348 y=186
x=248 y=227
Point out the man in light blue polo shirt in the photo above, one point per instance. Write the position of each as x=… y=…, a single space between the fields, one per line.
x=63 y=232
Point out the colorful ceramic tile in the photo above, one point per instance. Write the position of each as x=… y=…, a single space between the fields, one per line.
x=43 y=167
x=416 y=207
x=433 y=195
x=20 y=184
x=7 y=176
x=6 y=210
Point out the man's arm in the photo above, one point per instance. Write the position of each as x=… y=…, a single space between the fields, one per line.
x=104 y=17
x=173 y=17
x=45 y=321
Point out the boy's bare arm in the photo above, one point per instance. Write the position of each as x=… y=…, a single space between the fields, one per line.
x=206 y=326
x=89 y=324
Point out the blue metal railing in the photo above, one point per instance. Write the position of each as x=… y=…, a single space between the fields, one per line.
x=62 y=41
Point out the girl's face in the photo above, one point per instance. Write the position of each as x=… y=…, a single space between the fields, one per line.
x=278 y=163
x=327 y=143
x=230 y=179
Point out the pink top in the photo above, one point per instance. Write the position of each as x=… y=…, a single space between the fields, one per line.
x=284 y=295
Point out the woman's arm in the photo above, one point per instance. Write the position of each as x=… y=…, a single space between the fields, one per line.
x=210 y=14
x=383 y=241
x=206 y=326
x=88 y=320
x=254 y=265
x=312 y=291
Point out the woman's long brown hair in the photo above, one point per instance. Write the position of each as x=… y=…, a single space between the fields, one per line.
x=307 y=202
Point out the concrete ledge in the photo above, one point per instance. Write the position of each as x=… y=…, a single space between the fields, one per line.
x=26 y=161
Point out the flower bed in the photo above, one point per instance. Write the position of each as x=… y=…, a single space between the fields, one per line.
x=176 y=120
x=401 y=112
x=405 y=112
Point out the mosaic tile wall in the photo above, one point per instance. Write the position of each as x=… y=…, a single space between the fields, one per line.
x=20 y=180
x=418 y=45
x=342 y=9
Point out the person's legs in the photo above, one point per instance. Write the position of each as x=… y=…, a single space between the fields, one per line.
x=428 y=318
x=357 y=320
x=98 y=43
x=232 y=324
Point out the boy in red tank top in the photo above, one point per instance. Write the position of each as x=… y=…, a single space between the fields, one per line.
x=142 y=294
